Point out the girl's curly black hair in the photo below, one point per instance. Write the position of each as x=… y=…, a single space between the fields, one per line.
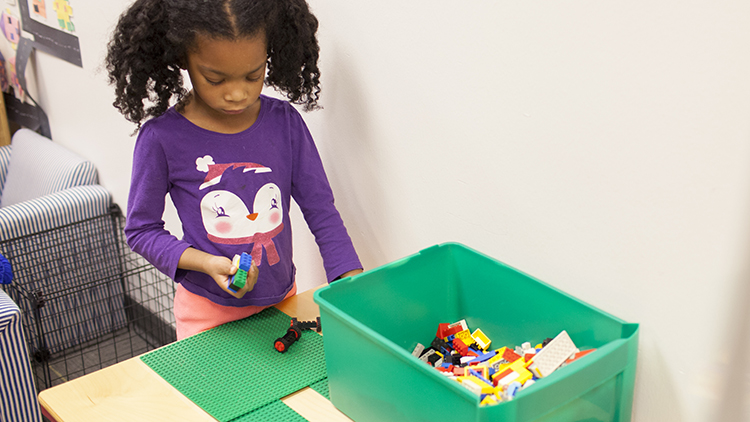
x=152 y=38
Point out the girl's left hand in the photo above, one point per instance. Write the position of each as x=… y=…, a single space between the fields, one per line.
x=350 y=273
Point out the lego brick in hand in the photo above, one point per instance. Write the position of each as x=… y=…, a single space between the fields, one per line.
x=246 y=275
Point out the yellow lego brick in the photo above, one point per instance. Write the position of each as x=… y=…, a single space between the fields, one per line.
x=466 y=337
x=524 y=375
x=519 y=363
x=481 y=370
x=504 y=353
x=481 y=339
x=516 y=366
x=534 y=370
x=469 y=385
x=516 y=371
x=502 y=368
x=489 y=400
x=484 y=388
x=498 y=357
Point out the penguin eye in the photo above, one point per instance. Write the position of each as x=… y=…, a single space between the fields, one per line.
x=274 y=203
x=220 y=212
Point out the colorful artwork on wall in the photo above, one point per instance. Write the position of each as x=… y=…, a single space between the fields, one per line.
x=52 y=25
x=39 y=9
x=52 y=22
x=11 y=27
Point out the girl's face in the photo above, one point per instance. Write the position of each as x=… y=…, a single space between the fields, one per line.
x=227 y=78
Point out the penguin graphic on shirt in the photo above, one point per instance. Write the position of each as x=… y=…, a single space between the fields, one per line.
x=228 y=217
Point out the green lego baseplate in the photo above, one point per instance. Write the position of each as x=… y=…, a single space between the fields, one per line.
x=233 y=370
x=279 y=411
x=322 y=388
x=276 y=411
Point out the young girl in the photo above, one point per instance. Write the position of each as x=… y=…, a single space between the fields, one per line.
x=229 y=157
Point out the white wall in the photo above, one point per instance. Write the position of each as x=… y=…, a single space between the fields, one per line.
x=602 y=147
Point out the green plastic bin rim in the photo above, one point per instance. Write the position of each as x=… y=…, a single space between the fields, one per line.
x=317 y=295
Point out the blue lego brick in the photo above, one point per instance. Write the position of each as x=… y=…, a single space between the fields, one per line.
x=246 y=261
x=483 y=357
x=478 y=375
x=238 y=281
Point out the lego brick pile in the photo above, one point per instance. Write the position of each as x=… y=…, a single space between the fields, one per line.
x=494 y=375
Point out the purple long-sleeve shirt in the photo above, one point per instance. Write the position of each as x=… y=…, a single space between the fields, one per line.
x=232 y=193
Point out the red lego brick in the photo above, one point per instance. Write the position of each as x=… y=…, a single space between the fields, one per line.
x=498 y=376
x=510 y=355
x=460 y=347
x=444 y=330
x=579 y=355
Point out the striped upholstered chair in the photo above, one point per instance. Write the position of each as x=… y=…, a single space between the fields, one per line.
x=44 y=185
x=18 y=400
x=47 y=195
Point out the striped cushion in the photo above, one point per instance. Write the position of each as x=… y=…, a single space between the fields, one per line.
x=18 y=400
x=4 y=162
x=64 y=207
x=40 y=167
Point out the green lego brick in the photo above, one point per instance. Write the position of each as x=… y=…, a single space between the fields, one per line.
x=238 y=280
x=239 y=357
x=243 y=262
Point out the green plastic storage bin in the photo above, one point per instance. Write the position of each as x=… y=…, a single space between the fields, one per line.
x=373 y=321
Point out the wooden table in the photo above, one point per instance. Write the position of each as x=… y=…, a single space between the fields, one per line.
x=131 y=391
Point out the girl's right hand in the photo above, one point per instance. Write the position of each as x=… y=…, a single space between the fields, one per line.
x=252 y=278
x=220 y=268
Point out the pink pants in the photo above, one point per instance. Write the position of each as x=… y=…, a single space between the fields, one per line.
x=194 y=313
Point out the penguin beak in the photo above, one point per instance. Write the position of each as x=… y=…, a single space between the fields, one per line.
x=252 y=216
